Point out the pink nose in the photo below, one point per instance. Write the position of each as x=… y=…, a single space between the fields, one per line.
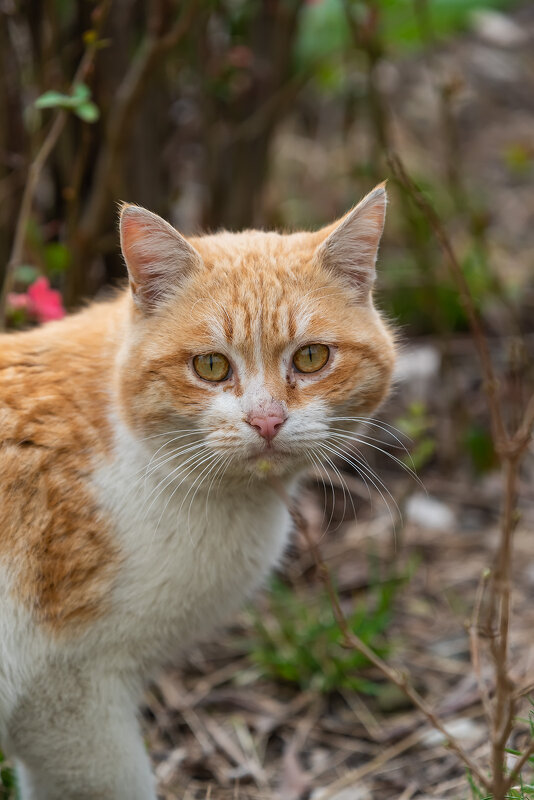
x=267 y=425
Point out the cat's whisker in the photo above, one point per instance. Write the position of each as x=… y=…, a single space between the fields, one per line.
x=170 y=433
x=354 y=438
x=317 y=468
x=333 y=505
x=165 y=445
x=211 y=470
x=190 y=458
x=174 y=454
x=374 y=422
x=321 y=469
x=153 y=457
x=216 y=472
x=377 y=482
x=196 y=465
x=365 y=436
x=359 y=463
x=344 y=486
x=191 y=463
x=196 y=486
x=389 y=430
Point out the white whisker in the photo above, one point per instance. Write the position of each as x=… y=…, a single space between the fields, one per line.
x=359 y=463
x=180 y=430
x=174 y=454
x=192 y=462
x=375 y=423
x=197 y=464
x=343 y=485
x=333 y=499
x=354 y=438
x=317 y=466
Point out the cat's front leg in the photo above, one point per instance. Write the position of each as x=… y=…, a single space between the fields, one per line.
x=75 y=736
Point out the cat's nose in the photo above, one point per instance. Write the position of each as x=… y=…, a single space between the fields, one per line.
x=267 y=425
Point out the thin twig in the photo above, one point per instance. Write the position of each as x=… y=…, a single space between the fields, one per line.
x=474 y=644
x=491 y=385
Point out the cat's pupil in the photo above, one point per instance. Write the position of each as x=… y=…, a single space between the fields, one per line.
x=310 y=354
x=211 y=362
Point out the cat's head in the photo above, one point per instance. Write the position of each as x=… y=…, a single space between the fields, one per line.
x=247 y=350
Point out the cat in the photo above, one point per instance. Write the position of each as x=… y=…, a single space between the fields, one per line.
x=139 y=439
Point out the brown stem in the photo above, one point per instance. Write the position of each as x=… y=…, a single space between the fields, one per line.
x=504 y=707
x=474 y=644
x=498 y=428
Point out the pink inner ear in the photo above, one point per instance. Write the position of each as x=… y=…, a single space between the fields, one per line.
x=132 y=232
x=157 y=256
x=350 y=249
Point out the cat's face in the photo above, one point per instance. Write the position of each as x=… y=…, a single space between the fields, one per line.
x=248 y=349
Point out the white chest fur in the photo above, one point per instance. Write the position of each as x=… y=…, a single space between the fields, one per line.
x=188 y=562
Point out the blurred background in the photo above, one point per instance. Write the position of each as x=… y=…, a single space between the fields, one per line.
x=281 y=113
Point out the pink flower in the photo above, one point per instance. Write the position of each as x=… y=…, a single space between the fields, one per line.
x=45 y=303
x=40 y=301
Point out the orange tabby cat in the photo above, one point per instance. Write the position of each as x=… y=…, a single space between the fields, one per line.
x=136 y=441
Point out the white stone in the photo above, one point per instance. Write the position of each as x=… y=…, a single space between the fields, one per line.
x=428 y=512
x=463 y=730
x=497 y=29
x=417 y=364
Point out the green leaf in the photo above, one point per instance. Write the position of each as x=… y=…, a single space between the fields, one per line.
x=7 y=778
x=26 y=274
x=89 y=112
x=78 y=102
x=479 y=444
x=53 y=100
x=81 y=92
x=57 y=258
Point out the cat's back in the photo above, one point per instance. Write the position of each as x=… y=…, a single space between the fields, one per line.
x=53 y=377
x=54 y=396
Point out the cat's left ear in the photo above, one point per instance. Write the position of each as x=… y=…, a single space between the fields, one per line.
x=158 y=258
x=351 y=245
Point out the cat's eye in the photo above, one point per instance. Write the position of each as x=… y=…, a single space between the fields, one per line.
x=311 y=357
x=212 y=366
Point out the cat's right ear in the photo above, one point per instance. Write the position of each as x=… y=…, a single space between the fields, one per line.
x=349 y=247
x=157 y=257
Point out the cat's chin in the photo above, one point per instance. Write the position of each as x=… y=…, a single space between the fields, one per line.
x=273 y=463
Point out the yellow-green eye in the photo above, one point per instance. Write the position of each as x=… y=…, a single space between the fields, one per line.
x=311 y=357
x=212 y=366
